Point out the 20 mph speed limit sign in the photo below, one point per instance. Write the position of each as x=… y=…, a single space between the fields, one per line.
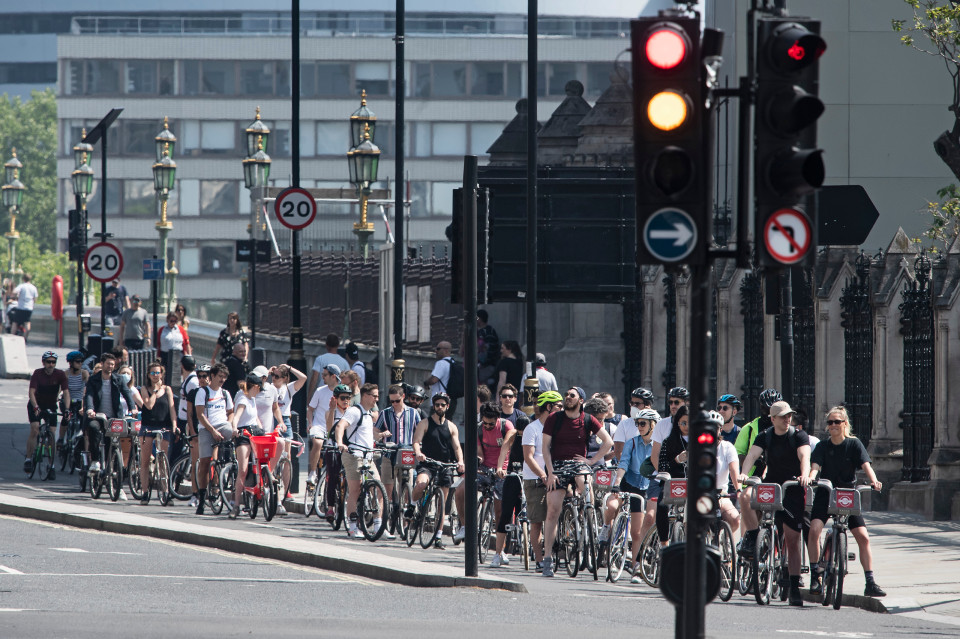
x=295 y=208
x=787 y=236
x=103 y=262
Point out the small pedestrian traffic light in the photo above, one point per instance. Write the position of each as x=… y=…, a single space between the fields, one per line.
x=670 y=150
x=703 y=453
x=788 y=168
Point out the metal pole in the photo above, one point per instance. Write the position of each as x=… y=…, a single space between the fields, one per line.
x=156 y=305
x=82 y=217
x=253 y=282
x=297 y=358
x=743 y=173
x=531 y=185
x=399 y=252
x=786 y=334
x=103 y=234
x=470 y=566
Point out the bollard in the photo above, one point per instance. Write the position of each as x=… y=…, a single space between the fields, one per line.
x=397 y=367
x=531 y=389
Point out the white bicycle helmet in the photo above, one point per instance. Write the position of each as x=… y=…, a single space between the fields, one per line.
x=649 y=414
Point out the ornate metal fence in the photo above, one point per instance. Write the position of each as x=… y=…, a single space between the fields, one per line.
x=857 y=322
x=804 y=341
x=751 y=308
x=916 y=326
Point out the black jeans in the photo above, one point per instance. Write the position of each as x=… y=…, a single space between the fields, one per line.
x=510 y=502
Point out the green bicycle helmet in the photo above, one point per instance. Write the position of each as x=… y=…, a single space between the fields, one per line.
x=342 y=389
x=549 y=397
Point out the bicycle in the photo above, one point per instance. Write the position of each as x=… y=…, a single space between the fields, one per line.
x=771 y=575
x=618 y=546
x=110 y=474
x=402 y=490
x=427 y=518
x=577 y=528
x=843 y=503
x=223 y=477
x=720 y=536
x=260 y=487
x=284 y=472
x=182 y=484
x=68 y=450
x=159 y=470
x=674 y=496
x=327 y=492
x=518 y=532
x=372 y=495
x=486 y=511
x=43 y=449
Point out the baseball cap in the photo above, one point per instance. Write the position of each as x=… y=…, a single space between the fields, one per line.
x=253 y=378
x=540 y=360
x=260 y=371
x=333 y=369
x=580 y=392
x=351 y=350
x=780 y=408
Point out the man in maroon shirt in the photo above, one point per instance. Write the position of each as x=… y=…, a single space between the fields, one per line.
x=565 y=437
x=46 y=384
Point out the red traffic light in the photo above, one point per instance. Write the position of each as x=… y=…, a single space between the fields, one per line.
x=794 y=47
x=666 y=48
x=706 y=439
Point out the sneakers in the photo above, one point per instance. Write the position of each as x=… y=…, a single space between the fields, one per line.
x=636 y=578
x=816 y=584
x=604 y=534
x=504 y=559
x=409 y=511
x=873 y=590
x=94 y=467
x=123 y=495
x=377 y=522
x=461 y=533
x=312 y=477
x=548 y=566
x=331 y=513
x=438 y=534
x=144 y=501
x=387 y=534
x=796 y=599
x=352 y=531
x=497 y=561
x=281 y=511
x=28 y=465
x=234 y=512
x=539 y=566
x=747 y=546
x=193 y=501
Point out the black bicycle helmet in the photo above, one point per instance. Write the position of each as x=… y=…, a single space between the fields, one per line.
x=440 y=395
x=732 y=400
x=74 y=356
x=643 y=393
x=679 y=392
x=417 y=391
x=770 y=397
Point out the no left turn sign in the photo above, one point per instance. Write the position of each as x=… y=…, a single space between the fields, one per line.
x=295 y=208
x=103 y=262
x=787 y=236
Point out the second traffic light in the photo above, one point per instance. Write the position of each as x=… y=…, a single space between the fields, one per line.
x=670 y=147
x=703 y=465
x=788 y=167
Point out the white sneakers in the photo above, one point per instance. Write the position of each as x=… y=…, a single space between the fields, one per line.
x=281 y=511
x=461 y=533
x=604 y=534
x=193 y=501
x=312 y=477
x=500 y=559
x=95 y=467
x=377 y=523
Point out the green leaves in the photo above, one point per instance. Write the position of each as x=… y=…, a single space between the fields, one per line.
x=944 y=217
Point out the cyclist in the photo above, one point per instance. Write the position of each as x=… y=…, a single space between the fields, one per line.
x=672 y=460
x=745 y=439
x=157 y=421
x=729 y=407
x=76 y=381
x=342 y=397
x=838 y=460
x=565 y=438
x=641 y=398
x=321 y=400
x=534 y=475
x=511 y=496
x=627 y=429
x=728 y=474
x=192 y=382
x=508 y=402
x=788 y=456
x=436 y=437
x=613 y=420
x=103 y=394
x=400 y=421
x=629 y=480
x=213 y=407
x=495 y=431
x=415 y=397
x=598 y=408
x=244 y=423
x=285 y=391
x=677 y=396
x=356 y=427
x=46 y=384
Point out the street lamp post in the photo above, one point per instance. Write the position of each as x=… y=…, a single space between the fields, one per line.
x=82 y=181
x=256 y=172
x=164 y=176
x=12 y=199
x=363 y=161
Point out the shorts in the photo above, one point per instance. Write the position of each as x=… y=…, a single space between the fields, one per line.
x=134 y=344
x=636 y=504
x=158 y=433
x=317 y=432
x=484 y=481
x=536 y=493
x=821 y=503
x=389 y=473
x=654 y=490
x=205 y=439
x=287 y=434
x=444 y=476
x=20 y=315
x=351 y=467
x=243 y=438
x=33 y=416
x=792 y=514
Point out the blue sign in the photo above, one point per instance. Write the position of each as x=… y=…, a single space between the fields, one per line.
x=153 y=269
x=670 y=235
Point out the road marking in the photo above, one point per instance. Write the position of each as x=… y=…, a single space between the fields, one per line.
x=38 y=490
x=69 y=549
x=190 y=578
x=17 y=609
x=97 y=552
x=822 y=633
x=10 y=571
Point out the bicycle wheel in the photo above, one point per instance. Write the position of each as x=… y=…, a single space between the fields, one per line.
x=65 y=450
x=369 y=510
x=213 y=496
x=728 y=561
x=96 y=483
x=320 y=496
x=310 y=493
x=163 y=478
x=649 y=558
x=841 y=554
x=268 y=493
x=431 y=518
x=744 y=575
x=829 y=570
x=405 y=519
x=763 y=567
x=453 y=517
x=115 y=476
x=590 y=542
x=570 y=538
x=338 y=505
x=228 y=482
x=487 y=528
x=678 y=532
x=617 y=546
x=525 y=542
x=133 y=477
x=44 y=455
x=284 y=475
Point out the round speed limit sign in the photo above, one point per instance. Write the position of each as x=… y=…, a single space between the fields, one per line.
x=103 y=262
x=295 y=208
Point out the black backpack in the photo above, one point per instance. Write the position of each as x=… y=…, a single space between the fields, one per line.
x=455 y=383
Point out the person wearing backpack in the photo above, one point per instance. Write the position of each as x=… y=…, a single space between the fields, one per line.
x=442 y=378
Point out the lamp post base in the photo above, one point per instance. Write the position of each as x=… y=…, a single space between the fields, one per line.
x=363 y=233
x=163 y=228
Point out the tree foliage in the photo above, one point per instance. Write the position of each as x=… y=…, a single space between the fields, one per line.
x=945 y=219
x=42 y=266
x=31 y=127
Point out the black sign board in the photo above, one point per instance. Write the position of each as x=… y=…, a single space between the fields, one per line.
x=245 y=248
x=847 y=214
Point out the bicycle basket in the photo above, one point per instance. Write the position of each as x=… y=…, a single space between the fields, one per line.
x=264 y=446
x=604 y=478
x=407 y=458
x=767 y=497
x=674 y=492
x=844 y=501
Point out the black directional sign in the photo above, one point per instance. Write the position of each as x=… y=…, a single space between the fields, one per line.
x=847 y=215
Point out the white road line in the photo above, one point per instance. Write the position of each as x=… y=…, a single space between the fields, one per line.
x=10 y=571
x=38 y=490
x=822 y=633
x=190 y=577
x=69 y=549
x=97 y=552
x=16 y=609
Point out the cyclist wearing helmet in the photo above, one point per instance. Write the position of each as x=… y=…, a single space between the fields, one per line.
x=76 y=381
x=320 y=402
x=750 y=430
x=728 y=468
x=534 y=474
x=436 y=438
x=628 y=429
x=641 y=398
x=339 y=403
x=729 y=407
x=46 y=384
x=415 y=397
x=677 y=397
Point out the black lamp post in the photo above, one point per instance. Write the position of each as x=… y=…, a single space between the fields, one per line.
x=164 y=179
x=82 y=181
x=256 y=172
x=363 y=161
x=13 y=199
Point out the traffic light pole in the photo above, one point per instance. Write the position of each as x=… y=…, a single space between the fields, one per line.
x=470 y=417
x=786 y=334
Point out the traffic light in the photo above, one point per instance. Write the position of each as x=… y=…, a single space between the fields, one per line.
x=788 y=167
x=703 y=464
x=76 y=235
x=670 y=147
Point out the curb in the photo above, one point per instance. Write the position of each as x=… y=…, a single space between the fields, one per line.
x=379 y=572
x=869 y=604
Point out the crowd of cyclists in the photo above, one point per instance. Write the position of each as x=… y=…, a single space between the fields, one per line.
x=531 y=465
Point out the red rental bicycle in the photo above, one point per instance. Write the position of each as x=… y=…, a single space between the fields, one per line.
x=261 y=486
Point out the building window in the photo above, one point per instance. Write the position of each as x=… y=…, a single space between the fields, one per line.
x=217 y=260
x=333 y=138
x=256 y=78
x=139 y=198
x=419 y=198
x=28 y=73
x=449 y=138
x=482 y=136
x=102 y=77
x=113 y=196
x=333 y=79
x=219 y=197
x=443 y=198
x=138 y=136
x=133 y=256
x=218 y=137
x=209 y=77
x=141 y=77
x=373 y=77
x=189 y=263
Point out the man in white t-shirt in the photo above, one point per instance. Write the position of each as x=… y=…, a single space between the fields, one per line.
x=355 y=428
x=440 y=376
x=26 y=296
x=213 y=406
x=330 y=357
x=534 y=473
x=317 y=407
x=353 y=358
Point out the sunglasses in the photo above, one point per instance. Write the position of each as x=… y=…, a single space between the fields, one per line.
x=486 y=423
x=202 y=376
x=675 y=402
x=396 y=401
x=832 y=422
x=344 y=398
x=572 y=395
x=507 y=396
x=723 y=408
x=155 y=373
x=440 y=404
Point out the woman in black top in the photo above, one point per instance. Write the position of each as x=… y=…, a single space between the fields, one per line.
x=673 y=460
x=229 y=337
x=157 y=420
x=510 y=500
x=510 y=368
